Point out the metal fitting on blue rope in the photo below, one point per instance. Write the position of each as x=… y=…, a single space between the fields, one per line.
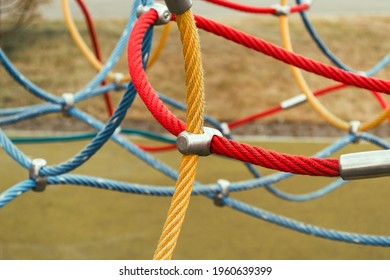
x=41 y=181
x=164 y=16
x=365 y=165
x=178 y=6
x=68 y=103
x=118 y=77
x=354 y=127
x=220 y=196
x=196 y=144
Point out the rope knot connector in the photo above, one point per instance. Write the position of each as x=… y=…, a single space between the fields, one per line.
x=118 y=77
x=225 y=129
x=354 y=127
x=281 y=10
x=68 y=103
x=178 y=6
x=196 y=144
x=41 y=181
x=164 y=16
x=223 y=193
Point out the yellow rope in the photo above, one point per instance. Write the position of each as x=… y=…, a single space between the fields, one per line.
x=194 y=124
x=314 y=102
x=91 y=56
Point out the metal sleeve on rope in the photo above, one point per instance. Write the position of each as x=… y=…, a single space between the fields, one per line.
x=178 y=6
x=41 y=181
x=281 y=10
x=68 y=103
x=220 y=196
x=164 y=16
x=293 y=101
x=365 y=165
x=196 y=144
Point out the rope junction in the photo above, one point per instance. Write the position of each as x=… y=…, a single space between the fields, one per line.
x=192 y=135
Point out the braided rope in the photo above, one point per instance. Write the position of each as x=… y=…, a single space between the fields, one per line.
x=194 y=124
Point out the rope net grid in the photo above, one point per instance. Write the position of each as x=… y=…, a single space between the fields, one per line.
x=137 y=37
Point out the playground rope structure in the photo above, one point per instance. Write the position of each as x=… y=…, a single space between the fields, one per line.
x=192 y=138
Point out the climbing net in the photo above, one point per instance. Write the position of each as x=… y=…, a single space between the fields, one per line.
x=192 y=139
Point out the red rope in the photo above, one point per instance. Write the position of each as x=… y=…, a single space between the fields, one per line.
x=95 y=44
x=256 y=10
x=299 y=61
x=220 y=145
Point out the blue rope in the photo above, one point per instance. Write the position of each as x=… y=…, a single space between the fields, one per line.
x=36 y=111
x=349 y=237
x=15 y=191
x=27 y=84
x=374 y=70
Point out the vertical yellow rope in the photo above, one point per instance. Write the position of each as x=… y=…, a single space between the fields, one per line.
x=301 y=82
x=194 y=124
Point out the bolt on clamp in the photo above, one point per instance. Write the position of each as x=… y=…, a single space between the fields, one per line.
x=196 y=144
x=219 y=196
x=41 y=181
x=164 y=16
x=365 y=165
x=69 y=102
x=178 y=6
x=281 y=10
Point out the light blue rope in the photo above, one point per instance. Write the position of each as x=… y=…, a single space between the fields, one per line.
x=374 y=70
x=15 y=191
x=349 y=237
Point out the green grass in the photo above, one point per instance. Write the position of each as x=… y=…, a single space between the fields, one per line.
x=69 y=222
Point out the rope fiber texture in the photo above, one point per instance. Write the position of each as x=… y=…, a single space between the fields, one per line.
x=194 y=124
x=280 y=162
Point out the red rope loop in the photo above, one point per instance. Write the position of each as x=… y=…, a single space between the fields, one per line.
x=220 y=145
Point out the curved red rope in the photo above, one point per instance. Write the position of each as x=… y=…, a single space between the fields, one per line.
x=95 y=44
x=256 y=10
x=219 y=145
x=296 y=60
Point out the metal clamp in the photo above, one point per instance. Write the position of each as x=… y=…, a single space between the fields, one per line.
x=69 y=102
x=365 y=165
x=293 y=101
x=281 y=10
x=164 y=16
x=41 y=181
x=218 y=198
x=354 y=127
x=118 y=77
x=196 y=144
x=178 y=6
x=225 y=129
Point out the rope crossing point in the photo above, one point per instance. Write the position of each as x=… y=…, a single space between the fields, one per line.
x=139 y=49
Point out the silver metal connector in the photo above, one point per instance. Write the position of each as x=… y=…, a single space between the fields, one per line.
x=178 y=6
x=281 y=10
x=293 y=101
x=69 y=102
x=164 y=16
x=365 y=165
x=354 y=127
x=218 y=198
x=41 y=182
x=196 y=144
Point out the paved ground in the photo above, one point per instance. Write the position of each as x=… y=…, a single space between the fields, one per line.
x=121 y=8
